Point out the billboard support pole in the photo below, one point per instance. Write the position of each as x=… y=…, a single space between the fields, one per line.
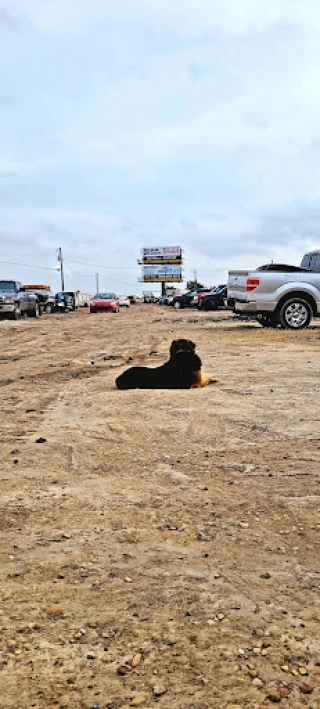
x=163 y=288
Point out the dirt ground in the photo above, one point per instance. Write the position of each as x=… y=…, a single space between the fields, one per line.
x=159 y=548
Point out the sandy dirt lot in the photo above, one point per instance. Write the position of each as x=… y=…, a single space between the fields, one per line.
x=159 y=549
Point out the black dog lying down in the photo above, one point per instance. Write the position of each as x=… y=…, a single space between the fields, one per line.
x=182 y=371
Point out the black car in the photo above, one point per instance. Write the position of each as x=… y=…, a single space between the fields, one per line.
x=214 y=300
x=187 y=300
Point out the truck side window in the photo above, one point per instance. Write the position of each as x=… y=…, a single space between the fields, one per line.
x=306 y=262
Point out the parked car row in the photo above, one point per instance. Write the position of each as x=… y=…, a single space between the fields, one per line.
x=32 y=300
x=202 y=298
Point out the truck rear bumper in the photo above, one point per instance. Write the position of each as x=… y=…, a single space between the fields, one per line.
x=253 y=307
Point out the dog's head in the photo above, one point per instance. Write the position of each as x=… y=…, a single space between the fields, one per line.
x=179 y=346
x=184 y=359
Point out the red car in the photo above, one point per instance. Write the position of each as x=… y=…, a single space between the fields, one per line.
x=104 y=303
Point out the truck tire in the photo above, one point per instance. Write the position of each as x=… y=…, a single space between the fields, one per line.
x=48 y=308
x=16 y=314
x=295 y=314
x=211 y=305
x=177 y=305
x=35 y=313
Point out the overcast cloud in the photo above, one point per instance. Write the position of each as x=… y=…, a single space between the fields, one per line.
x=157 y=122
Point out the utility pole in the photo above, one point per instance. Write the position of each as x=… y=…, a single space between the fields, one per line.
x=60 y=259
x=97 y=282
x=195 y=277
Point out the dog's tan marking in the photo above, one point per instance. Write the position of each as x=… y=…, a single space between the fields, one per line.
x=202 y=380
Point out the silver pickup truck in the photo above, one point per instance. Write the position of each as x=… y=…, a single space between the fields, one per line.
x=276 y=295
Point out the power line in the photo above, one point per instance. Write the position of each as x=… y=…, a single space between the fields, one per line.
x=124 y=268
x=205 y=270
x=106 y=268
x=82 y=275
x=27 y=265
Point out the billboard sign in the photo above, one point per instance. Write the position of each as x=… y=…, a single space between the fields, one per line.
x=164 y=273
x=162 y=254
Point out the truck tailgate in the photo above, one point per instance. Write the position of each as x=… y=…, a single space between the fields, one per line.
x=237 y=284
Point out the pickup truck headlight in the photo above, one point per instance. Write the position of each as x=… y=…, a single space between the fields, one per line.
x=8 y=300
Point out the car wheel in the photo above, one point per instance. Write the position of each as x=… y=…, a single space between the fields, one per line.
x=295 y=314
x=177 y=305
x=48 y=309
x=35 y=313
x=16 y=314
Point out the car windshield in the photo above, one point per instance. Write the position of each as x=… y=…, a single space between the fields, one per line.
x=104 y=296
x=7 y=287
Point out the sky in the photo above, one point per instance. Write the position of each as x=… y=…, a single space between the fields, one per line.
x=193 y=123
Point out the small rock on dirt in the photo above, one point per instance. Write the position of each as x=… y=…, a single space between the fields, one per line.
x=138 y=700
x=55 y=611
x=274 y=696
x=306 y=689
x=136 y=660
x=284 y=692
x=303 y=671
x=122 y=670
x=159 y=689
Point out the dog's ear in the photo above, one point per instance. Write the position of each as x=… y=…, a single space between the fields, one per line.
x=173 y=347
x=192 y=345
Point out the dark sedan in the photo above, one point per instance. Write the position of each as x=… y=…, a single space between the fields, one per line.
x=187 y=300
x=216 y=299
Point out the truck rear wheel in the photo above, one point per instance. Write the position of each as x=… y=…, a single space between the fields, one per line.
x=295 y=314
x=35 y=313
